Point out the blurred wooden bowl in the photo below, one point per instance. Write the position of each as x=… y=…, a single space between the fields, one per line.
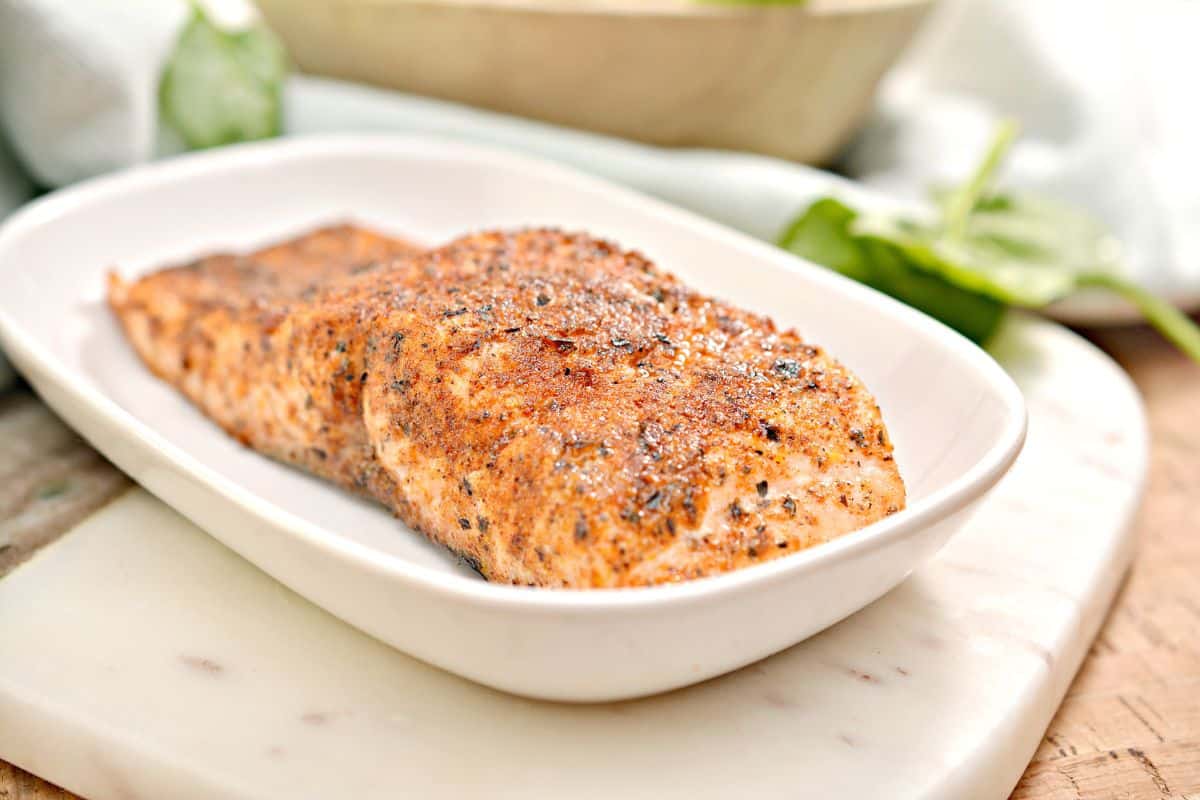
x=784 y=80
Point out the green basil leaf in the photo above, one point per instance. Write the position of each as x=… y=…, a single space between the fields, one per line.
x=824 y=234
x=1172 y=323
x=222 y=87
x=1010 y=270
x=976 y=316
x=985 y=251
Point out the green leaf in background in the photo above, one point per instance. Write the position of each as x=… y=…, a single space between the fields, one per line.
x=1010 y=268
x=824 y=234
x=222 y=87
x=984 y=252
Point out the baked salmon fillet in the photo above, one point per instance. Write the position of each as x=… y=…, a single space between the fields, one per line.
x=556 y=410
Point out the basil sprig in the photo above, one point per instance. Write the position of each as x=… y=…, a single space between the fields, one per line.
x=221 y=87
x=982 y=252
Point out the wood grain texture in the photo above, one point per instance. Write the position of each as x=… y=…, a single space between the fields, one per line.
x=16 y=784
x=1129 y=727
x=49 y=478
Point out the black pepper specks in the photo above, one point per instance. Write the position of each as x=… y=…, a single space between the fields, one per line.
x=735 y=510
x=786 y=368
x=455 y=312
x=466 y=487
x=789 y=505
x=581 y=530
x=771 y=432
x=689 y=503
x=543 y=299
x=761 y=487
x=464 y=523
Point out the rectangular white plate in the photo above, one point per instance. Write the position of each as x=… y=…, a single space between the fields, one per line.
x=957 y=420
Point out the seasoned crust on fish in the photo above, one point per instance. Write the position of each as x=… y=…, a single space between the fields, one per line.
x=557 y=410
x=266 y=344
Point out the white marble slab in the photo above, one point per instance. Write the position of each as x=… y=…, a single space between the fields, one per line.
x=141 y=659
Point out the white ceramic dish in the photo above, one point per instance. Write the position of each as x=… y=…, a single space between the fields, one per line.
x=957 y=420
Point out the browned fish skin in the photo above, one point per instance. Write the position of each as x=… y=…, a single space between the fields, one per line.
x=557 y=410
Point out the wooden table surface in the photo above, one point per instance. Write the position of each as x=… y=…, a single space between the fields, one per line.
x=1129 y=728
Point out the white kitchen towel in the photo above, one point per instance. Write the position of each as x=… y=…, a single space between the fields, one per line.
x=1106 y=97
x=79 y=89
x=79 y=82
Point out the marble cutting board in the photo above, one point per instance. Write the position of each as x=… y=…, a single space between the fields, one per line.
x=141 y=659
